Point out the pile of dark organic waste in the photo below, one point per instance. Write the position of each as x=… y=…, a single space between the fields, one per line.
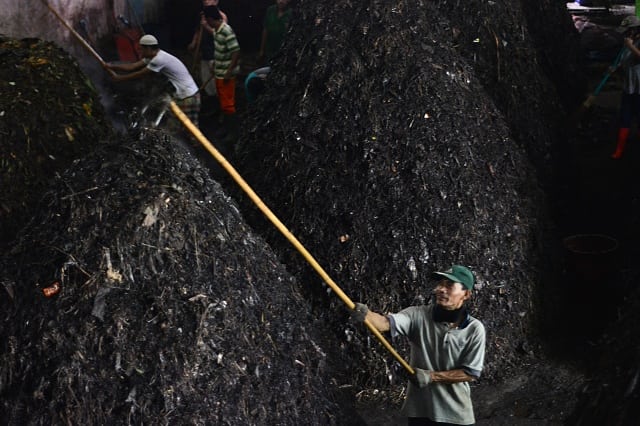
x=391 y=160
x=393 y=140
x=418 y=134
x=37 y=80
x=136 y=293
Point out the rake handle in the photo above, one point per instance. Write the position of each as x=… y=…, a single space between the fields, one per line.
x=76 y=35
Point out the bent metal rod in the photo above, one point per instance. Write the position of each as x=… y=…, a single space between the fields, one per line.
x=281 y=227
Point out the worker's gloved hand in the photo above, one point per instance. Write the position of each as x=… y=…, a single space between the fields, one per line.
x=422 y=377
x=359 y=312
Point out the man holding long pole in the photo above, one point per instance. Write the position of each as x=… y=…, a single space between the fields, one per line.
x=184 y=85
x=156 y=60
x=447 y=350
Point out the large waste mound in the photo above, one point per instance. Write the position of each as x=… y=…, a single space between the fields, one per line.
x=136 y=294
x=525 y=55
x=36 y=78
x=169 y=311
x=385 y=152
x=389 y=160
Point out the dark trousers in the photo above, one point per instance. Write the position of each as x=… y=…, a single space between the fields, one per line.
x=629 y=109
x=423 y=421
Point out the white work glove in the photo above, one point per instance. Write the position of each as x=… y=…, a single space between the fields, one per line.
x=422 y=377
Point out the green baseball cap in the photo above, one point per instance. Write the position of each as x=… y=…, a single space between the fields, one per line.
x=459 y=274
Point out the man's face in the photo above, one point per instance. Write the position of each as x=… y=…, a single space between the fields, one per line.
x=147 y=52
x=450 y=295
x=215 y=23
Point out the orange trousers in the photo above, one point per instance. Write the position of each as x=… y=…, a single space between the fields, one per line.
x=227 y=95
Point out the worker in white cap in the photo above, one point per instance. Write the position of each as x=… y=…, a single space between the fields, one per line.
x=156 y=60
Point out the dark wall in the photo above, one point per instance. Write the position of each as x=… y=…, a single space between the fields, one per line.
x=245 y=17
x=182 y=19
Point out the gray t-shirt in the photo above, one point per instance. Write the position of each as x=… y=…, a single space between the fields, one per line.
x=437 y=347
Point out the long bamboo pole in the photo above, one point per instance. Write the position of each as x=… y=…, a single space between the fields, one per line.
x=281 y=227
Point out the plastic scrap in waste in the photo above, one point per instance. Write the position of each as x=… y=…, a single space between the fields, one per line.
x=52 y=290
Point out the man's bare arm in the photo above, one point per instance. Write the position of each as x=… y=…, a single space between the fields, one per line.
x=451 y=376
x=380 y=322
x=131 y=76
x=127 y=66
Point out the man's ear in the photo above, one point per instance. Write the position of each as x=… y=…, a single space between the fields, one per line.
x=467 y=295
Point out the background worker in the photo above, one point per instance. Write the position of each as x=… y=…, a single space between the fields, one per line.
x=276 y=22
x=630 y=99
x=255 y=82
x=155 y=60
x=447 y=350
x=202 y=44
x=225 y=68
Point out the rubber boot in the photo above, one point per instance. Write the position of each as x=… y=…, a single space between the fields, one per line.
x=623 y=134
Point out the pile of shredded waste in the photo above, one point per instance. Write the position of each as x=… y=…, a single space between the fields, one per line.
x=414 y=135
x=393 y=139
x=49 y=116
x=390 y=160
x=137 y=294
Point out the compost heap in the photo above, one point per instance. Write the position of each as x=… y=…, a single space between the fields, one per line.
x=387 y=145
x=169 y=311
x=35 y=143
x=391 y=161
x=414 y=135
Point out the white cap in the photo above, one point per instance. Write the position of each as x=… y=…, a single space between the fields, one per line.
x=148 y=40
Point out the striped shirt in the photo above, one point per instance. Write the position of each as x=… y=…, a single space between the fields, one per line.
x=226 y=45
